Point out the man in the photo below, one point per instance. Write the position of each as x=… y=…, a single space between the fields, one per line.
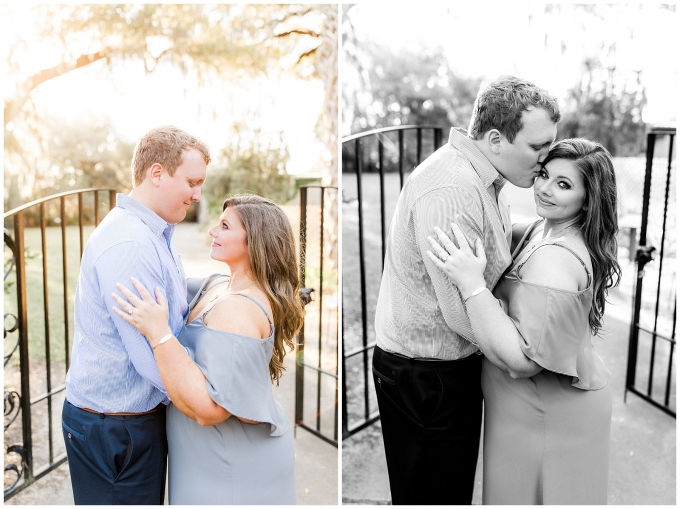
x=426 y=375
x=114 y=414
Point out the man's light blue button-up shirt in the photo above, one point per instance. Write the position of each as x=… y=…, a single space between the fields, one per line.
x=112 y=366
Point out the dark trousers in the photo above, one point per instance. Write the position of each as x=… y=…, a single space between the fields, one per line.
x=116 y=460
x=431 y=415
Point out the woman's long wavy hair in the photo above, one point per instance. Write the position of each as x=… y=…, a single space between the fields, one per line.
x=271 y=248
x=598 y=219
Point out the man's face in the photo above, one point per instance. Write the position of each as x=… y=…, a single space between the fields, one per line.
x=519 y=161
x=184 y=187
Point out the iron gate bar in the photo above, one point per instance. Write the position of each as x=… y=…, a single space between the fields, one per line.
x=657 y=334
x=360 y=349
x=22 y=311
x=362 y=270
x=18 y=247
x=65 y=271
x=96 y=208
x=48 y=367
x=658 y=287
x=401 y=159
x=314 y=368
x=44 y=395
x=299 y=371
x=419 y=156
x=300 y=364
x=318 y=373
x=670 y=361
x=80 y=227
x=642 y=259
x=634 y=336
x=382 y=195
x=380 y=133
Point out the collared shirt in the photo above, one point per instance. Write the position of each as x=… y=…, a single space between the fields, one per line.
x=420 y=313
x=112 y=365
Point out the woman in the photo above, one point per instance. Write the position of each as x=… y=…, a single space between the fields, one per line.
x=547 y=403
x=229 y=441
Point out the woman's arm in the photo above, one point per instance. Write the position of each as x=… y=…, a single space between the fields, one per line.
x=494 y=331
x=185 y=384
x=182 y=378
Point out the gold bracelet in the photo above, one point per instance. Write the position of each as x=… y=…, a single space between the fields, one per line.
x=164 y=339
x=476 y=292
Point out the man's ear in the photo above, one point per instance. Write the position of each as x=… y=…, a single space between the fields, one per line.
x=154 y=174
x=493 y=138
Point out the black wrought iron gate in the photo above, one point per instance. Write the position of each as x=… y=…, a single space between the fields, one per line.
x=650 y=373
x=375 y=165
x=41 y=261
x=317 y=349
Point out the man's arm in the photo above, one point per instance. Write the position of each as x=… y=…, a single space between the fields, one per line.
x=439 y=208
x=117 y=265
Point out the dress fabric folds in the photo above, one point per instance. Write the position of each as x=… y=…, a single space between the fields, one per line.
x=546 y=438
x=233 y=462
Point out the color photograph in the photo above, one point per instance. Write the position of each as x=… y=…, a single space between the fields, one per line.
x=171 y=254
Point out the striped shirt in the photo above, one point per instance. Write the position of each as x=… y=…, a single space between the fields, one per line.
x=420 y=313
x=113 y=368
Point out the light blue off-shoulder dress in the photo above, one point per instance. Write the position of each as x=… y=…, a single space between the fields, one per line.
x=231 y=462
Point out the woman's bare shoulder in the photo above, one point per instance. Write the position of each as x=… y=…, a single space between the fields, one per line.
x=240 y=315
x=558 y=268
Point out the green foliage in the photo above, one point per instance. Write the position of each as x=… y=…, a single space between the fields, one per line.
x=254 y=164
x=86 y=153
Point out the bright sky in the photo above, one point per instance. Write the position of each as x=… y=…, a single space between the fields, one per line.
x=136 y=101
x=490 y=39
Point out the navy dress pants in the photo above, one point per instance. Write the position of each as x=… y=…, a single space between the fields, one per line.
x=431 y=417
x=116 y=460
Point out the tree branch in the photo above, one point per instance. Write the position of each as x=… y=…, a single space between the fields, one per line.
x=296 y=31
x=306 y=54
x=13 y=106
x=290 y=15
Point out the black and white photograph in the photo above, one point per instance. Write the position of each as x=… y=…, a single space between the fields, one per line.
x=508 y=254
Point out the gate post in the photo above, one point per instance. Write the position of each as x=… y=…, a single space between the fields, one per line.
x=22 y=311
x=300 y=356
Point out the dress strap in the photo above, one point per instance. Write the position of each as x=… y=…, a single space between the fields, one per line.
x=203 y=288
x=212 y=304
x=526 y=236
x=519 y=267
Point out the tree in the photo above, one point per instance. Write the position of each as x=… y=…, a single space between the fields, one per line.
x=325 y=63
x=606 y=107
x=206 y=40
x=252 y=163
x=410 y=88
x=213 y=43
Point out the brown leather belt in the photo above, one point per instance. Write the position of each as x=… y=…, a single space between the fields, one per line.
x=121 y=414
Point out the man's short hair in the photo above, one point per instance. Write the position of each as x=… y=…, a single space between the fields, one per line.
x=164 y=145
x=501 y=103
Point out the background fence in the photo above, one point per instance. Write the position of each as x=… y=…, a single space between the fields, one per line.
x=316 y=372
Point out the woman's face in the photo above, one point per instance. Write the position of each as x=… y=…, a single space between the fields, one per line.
x=559 y=191
x=229 y=239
